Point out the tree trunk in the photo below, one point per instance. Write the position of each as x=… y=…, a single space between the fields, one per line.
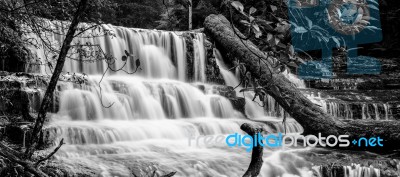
x=311 y=117
x=190 y=15
x=54 y=78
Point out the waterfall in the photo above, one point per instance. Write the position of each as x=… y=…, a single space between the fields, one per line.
x=254 y=109
x=351 y=110
x=199 y=58
x=294 y=79
x=356 y=170
x=353 y=170
x=137 y=98
x=155 y=120
x=162 y=53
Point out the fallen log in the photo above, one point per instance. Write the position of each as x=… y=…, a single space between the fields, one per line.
x=311 y=117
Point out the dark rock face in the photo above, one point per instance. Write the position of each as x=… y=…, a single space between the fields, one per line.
x=17 y=133
x=361 y=104
x=189 y=56
x=239 y=104
x=21 y=94
x=385 y=82
x=228 y=92
x=212 y=69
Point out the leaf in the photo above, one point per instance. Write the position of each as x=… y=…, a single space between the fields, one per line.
x=272 y=41
x=283 y=57
x=251 y=18
x=269 y=36
x=266 y=25
x=310 y=24
x=277 y=40
x=245 y=22
x=300 y=30
x=50 y=65
x=137 y=63
x=261 y=91
x=374 y=1
x=292 y=64
x=127 y=53
x=283 y=46
x=257 y=31
x=246 y=89
x=300 y=60
x=280 y=29
x=281 y=36
x=255 y=96
x=252 y=10
x=237 y=5
x=364 y=22
x=359 y=17
x=275 y=90
x=124 y=58
x=283 y=68
x=273 y=8
x=336 y=41
x=261 y=98
x=291 y=50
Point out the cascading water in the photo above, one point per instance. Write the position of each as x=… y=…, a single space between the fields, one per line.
x=351 y=110
x=199 y=58
x=162 y=53
x=114 y=124
x=254 y=108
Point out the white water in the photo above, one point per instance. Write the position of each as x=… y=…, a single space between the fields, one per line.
x=144 y=121
x=348 y=110
x=254 y=108
x=199 y=58
x=161 y=53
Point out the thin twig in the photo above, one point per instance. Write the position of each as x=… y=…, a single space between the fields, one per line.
x=51 y=154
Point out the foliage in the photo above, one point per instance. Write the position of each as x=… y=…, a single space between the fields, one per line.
x=138 y=13
x=27 y=23
x=176 y=12
x=269 y=32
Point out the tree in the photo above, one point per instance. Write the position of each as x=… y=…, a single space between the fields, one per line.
x=179 y=14
x=311 y=117
x=26 y=17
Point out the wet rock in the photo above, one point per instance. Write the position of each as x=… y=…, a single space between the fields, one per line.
x=189 y=55
x=15 y=103
x=17 y=134
x=332 y=171
x=61 y=169
x=228 y=92
x=212 y=69
x=202 y=88
x=239 y=104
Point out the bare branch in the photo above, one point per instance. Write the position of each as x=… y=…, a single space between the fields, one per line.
x=51 y=154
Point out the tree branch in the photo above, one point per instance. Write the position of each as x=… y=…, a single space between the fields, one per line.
x=51 y=154
x=12 y=155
